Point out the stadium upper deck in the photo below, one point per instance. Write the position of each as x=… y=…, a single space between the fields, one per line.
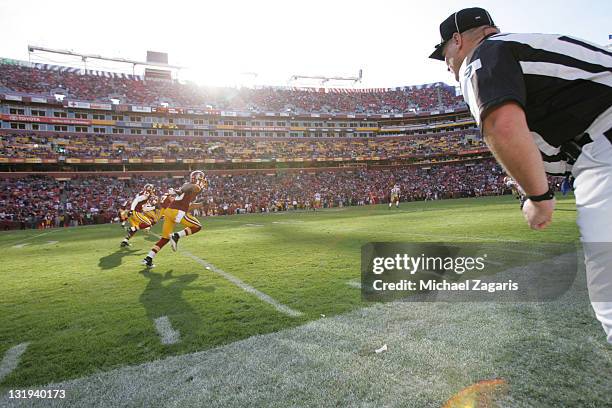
x=105 y=88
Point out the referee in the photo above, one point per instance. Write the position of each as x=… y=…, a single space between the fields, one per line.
x=544 y=104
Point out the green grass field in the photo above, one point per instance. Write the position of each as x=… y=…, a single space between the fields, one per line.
x=86 y=307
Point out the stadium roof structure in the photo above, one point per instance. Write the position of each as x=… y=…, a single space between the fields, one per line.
x=85 y=57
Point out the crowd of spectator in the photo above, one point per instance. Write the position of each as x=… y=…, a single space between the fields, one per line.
x=41 y=202
x=154 y=92
x=150 y=147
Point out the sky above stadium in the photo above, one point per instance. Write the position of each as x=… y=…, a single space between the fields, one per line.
x=266 y=42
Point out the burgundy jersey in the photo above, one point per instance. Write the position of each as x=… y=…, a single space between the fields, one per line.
x=185 y=196
x=167 y=199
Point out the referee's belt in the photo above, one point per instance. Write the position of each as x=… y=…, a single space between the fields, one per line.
x=572 y=148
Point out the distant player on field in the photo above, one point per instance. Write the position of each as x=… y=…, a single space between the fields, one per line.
x=317 y=201
x=178 y=213
x=517 y=190
x=395 y=196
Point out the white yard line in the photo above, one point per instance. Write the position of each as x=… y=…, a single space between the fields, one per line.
x=19 y=246
x=354 y=284
x=244 y=286
x=166 y=332
x=14 y=244
x=11 y=359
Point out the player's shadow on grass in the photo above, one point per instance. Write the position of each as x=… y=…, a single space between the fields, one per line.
x=163 y=296
x=115 y=259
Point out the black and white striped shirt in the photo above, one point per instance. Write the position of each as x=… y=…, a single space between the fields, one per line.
x=563 y=84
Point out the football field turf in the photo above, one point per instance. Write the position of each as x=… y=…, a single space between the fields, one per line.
x=265 y=310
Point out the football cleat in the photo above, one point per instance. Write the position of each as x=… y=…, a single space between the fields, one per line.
x=148 y=262
x=125 y=244
x=174 y=239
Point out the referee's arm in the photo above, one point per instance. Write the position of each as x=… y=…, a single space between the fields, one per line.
x=507 y=135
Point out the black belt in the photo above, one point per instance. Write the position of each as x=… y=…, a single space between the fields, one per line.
x=572 y=148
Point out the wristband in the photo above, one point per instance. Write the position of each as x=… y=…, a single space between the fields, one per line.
x=549 y=195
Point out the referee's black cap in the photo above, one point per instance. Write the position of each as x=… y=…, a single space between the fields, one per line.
x=459 y=22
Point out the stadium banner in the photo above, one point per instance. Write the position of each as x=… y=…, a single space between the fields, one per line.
x=36 y=99
x=101 y=106
x=160 y=161
x=236 y=160
x=147 y=161
x=103 y=122
x=16 y=160
x=188 y=161
x=132 y=160
x=226 y=113
x=4 y=160
x=101 y=161
x=90 y=161
x=141 y=109
x=16 y=98
x=76 y=104
x=49 y=161
x=338 y=159
x=467 y=272
x=46 y=119
x=73 y=161
x=131 y=124
x=281 y=160
x=322 y=159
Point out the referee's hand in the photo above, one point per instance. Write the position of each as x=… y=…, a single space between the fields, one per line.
x=539 y=214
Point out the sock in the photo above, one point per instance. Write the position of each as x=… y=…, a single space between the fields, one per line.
x=188 y=231
x=157 y=247
x=130 y=233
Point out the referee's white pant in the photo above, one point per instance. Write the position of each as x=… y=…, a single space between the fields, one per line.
x=593 y=191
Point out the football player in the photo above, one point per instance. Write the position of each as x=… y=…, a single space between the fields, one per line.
x=141 y=214
x=317 y=201
x=178 y=213
x=517 y=190
x=395 y=194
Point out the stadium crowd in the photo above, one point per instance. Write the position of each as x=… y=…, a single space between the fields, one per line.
x=42 y=202
x=150 y=147
x=154 y=92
